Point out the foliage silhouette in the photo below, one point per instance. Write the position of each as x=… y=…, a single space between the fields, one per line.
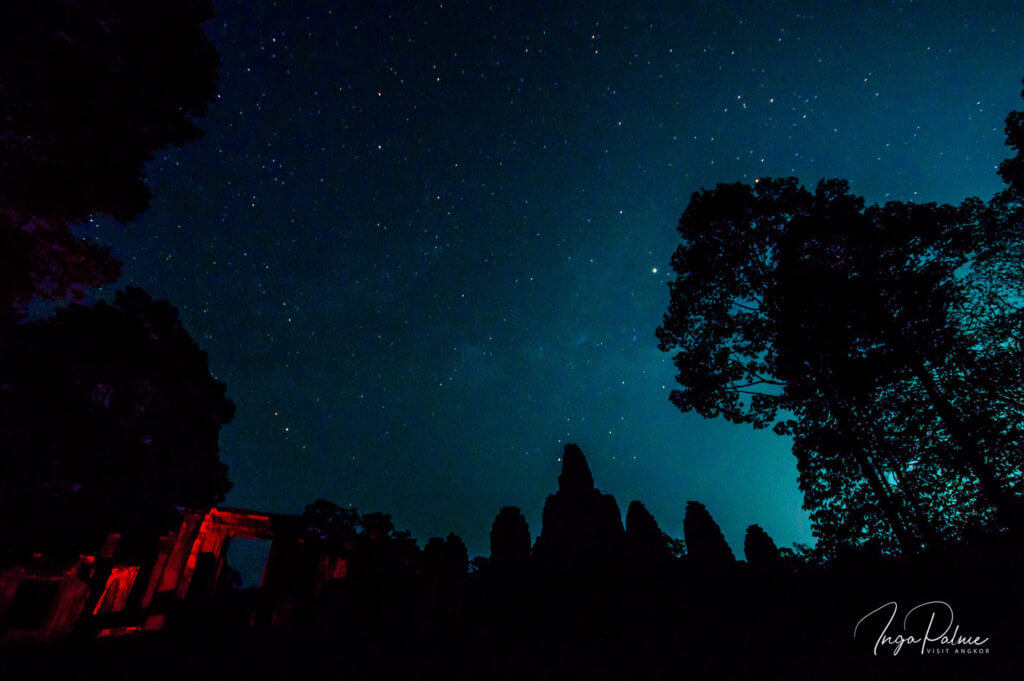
x=883 y=339
x=91 y=91
x=1012 y=169
x=329 y=526
x=110 y=419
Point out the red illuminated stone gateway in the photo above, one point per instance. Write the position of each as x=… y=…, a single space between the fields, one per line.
x=105 y=597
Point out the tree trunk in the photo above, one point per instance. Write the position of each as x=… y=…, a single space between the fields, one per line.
x=879 y=486
x=973 y=458
x=964 y=437
x=909 y=491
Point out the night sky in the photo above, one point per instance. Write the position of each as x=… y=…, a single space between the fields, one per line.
x=427 y=248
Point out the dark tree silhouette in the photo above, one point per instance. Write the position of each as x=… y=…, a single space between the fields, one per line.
x=759 y=549
x=375 y=549
x=847 y=320
x=705 y=543
x=885 y=340
x=90 y=92
x=1012 y=169
x=866 y=301
x=110 y=419
x=330 y=527
x=510 y=539
x=676 y=546
x=44 y=260
x=381 y=552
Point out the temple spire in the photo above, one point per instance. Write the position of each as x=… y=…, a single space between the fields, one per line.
x=575 y=475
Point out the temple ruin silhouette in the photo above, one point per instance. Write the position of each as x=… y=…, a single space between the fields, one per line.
x=184 y=580
x=39 y=602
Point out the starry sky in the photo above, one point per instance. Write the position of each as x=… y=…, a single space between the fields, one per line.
x=426 y=246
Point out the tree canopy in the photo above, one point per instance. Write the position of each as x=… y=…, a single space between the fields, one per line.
x=883 y=339
x=110 y=420
x=90 y=92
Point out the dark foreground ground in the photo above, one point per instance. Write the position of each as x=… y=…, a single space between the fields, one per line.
x=684 y=623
